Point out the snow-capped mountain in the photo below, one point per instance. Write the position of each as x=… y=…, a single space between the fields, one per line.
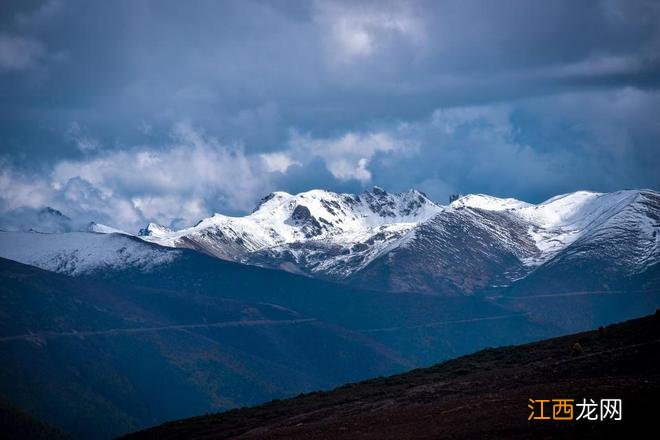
x=560 y=221
x=46 y=219
x=103 y=229
x=385 y=241
x=316 y=232
x=483 y=242
x=407 y=242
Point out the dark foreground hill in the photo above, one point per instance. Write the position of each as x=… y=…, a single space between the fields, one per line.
x=483 y=395
x=101 y=356
x=17 y=424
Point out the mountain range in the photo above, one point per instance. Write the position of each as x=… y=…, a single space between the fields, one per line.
x=406 y=242
x=402 y=242
x=102 y=328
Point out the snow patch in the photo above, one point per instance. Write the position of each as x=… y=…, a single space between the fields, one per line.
x=488 y=203
x=77 y=253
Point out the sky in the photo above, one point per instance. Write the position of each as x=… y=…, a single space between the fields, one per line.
x=126 y=112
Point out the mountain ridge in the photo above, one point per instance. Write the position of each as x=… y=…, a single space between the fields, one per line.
x=554 y=225
x=407 y=242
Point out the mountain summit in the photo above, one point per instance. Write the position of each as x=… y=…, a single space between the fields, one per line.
x=307 y=228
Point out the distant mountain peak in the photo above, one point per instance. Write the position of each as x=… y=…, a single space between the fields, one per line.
x=47 y=210
x=45 y=219
x=317 y=217
x=327 y=204
x=275 y=195
x=104 y=229
x=154 y=230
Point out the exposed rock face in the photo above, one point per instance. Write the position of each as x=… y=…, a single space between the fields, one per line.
x=302 y=217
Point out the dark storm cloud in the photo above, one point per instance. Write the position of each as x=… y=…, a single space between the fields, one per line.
x=516 y=98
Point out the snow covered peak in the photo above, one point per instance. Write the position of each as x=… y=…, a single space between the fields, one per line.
x=45 y=219
x=329 y=232
x=282 y=218
x=576 y=209
x=104 y=229
x=408 y=204
x=154 y=230
x=272 y=199
x=561 y=220
x=488 y=203
x=345 y=211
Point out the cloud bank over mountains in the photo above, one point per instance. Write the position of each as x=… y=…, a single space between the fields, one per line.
x=127 y=112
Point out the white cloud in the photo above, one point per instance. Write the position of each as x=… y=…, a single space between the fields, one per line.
x=175 y=182
x=277 y=162
x=347 y=157
x=181 y=183
x=17 y=190
x=160 y=208
x=541 y=146
x=185 y=181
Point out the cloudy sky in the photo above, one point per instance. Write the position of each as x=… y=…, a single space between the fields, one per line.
x=125 y=112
